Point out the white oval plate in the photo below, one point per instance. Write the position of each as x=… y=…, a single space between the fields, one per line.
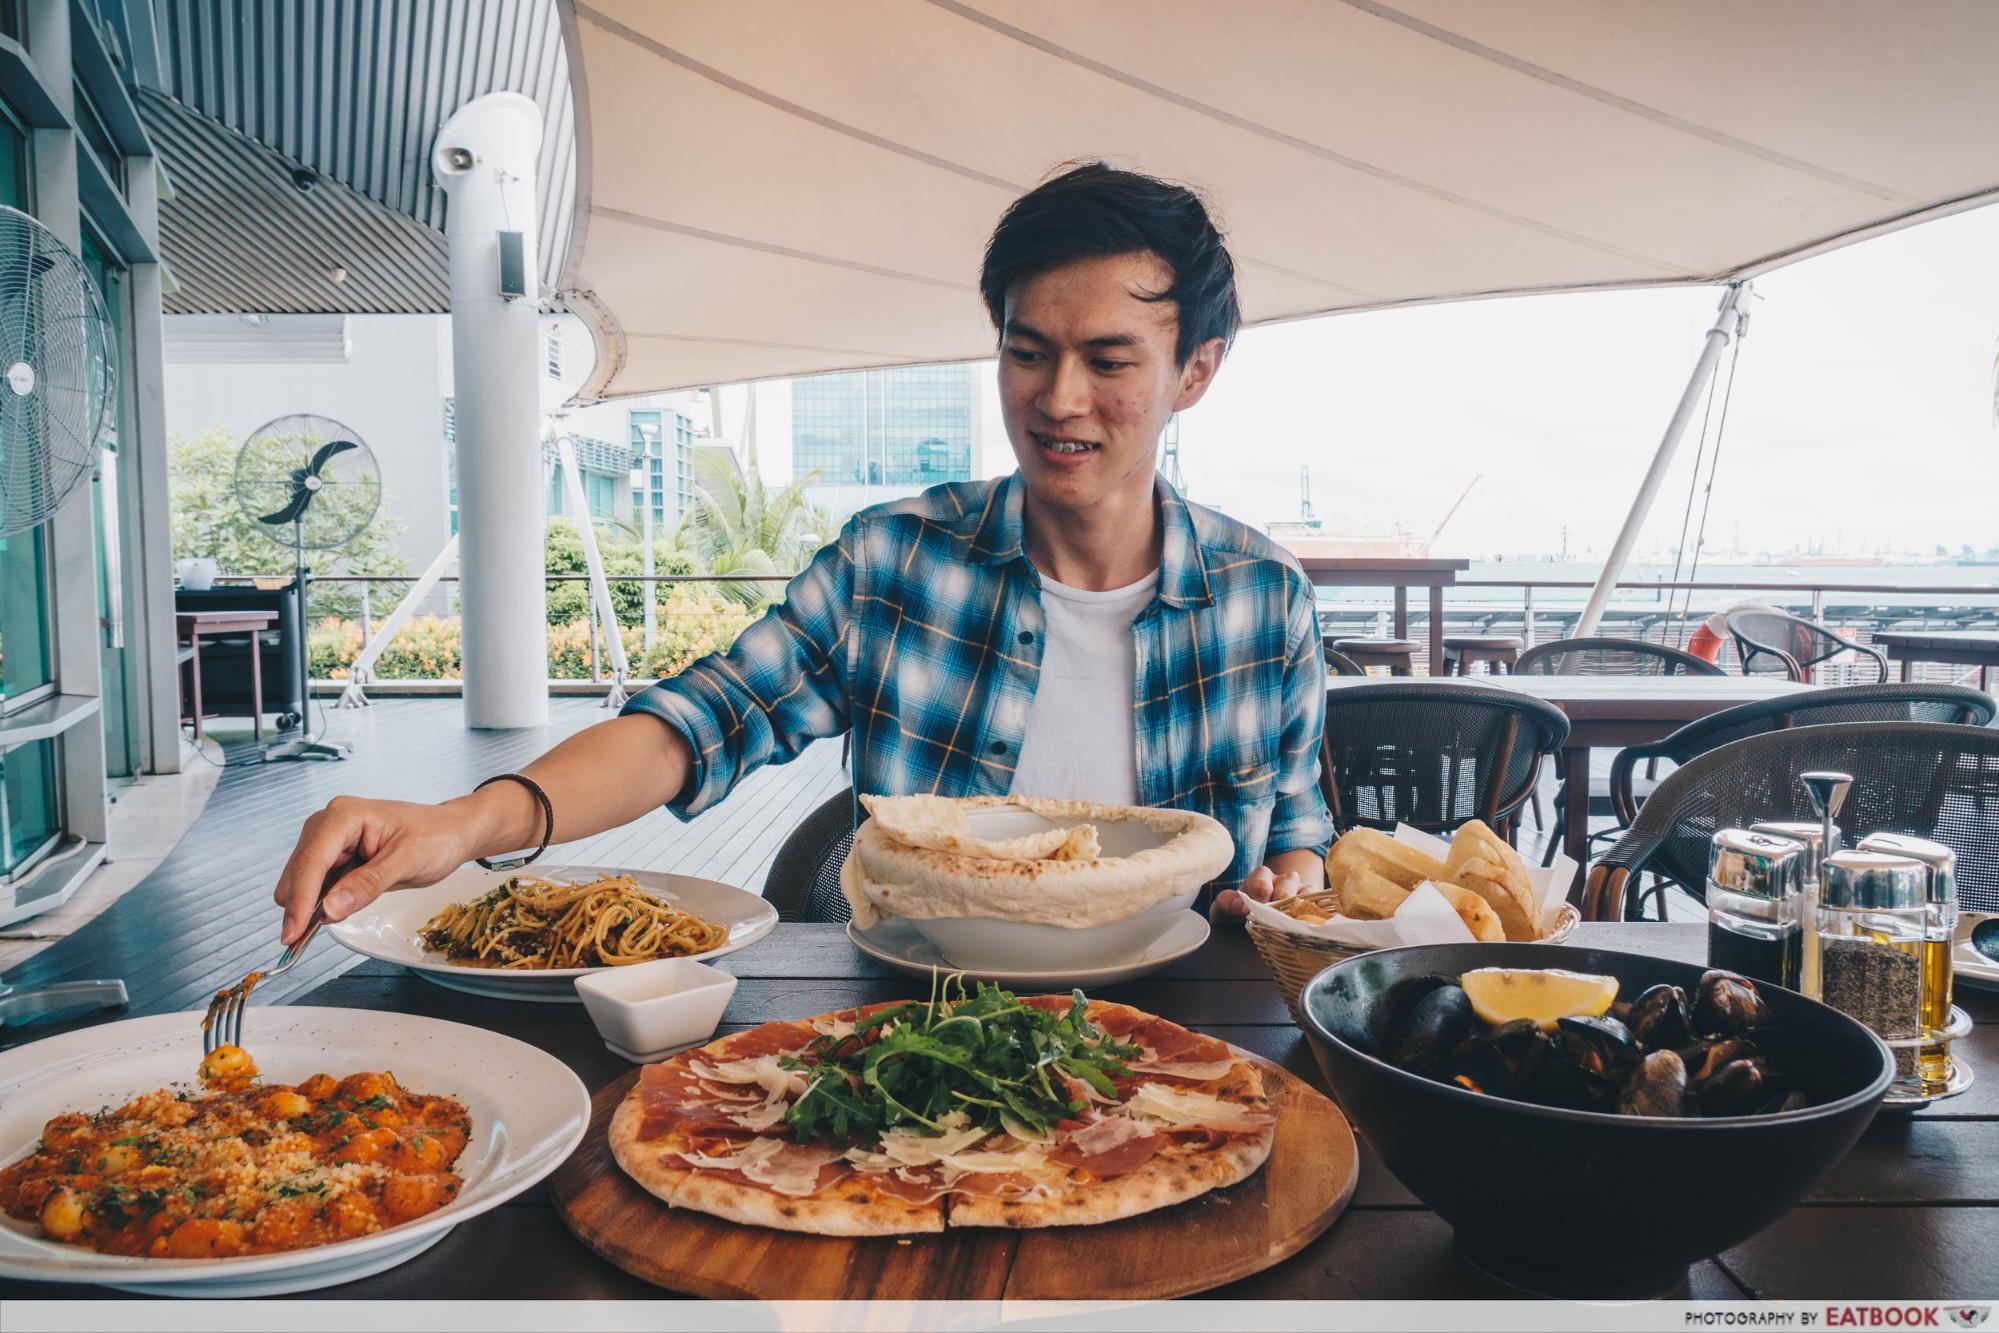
x=1966 y=963
x=898 y=944
x=388 y=927
x=528 y=1113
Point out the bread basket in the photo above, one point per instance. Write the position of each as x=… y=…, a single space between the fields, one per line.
x=1295 y=959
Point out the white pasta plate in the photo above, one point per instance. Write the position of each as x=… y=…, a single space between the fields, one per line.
x=388 y=928
x=528 y=1113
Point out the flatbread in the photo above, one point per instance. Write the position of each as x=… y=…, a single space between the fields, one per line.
x=1143 y=1160
x=884 y=876
x=938 y=824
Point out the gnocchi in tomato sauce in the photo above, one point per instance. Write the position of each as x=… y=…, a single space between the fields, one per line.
x=243 y=1168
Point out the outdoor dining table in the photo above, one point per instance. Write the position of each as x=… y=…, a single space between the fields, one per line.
x=1979 y=648
x=1612 y=712
x=1398 y=573
x=1912 y=1212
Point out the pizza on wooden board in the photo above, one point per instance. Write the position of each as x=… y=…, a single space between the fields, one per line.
x=975 y=1109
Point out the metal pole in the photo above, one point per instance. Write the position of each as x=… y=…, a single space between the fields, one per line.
x=1729 y=322
x=484 y=160
x=645 y=465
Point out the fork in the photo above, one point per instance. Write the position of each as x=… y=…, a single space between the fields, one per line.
x=223 y=1024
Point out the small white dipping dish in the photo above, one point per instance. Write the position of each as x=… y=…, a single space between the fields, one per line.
x=647 y=1010
x=985 y=944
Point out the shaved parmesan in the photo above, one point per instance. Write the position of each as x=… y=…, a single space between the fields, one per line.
x=753 y=1151
x=1200 y=1071
x=829 y=1026
x=778 y=1083
x=1178 y=1106
x=1022 y=1132
x=1108 y=1133
x=782 y=1167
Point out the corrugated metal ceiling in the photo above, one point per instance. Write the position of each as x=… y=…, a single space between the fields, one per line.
x=358 y=89
x=240 y=236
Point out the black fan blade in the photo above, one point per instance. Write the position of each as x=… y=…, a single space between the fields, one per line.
x=327 y=451
x=300 y=499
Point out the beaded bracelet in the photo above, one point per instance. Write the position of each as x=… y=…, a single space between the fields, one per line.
x=547 y=817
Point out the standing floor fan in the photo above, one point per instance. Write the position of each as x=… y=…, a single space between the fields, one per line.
x=311 y=485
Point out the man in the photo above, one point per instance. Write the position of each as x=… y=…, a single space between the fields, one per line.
x=1075 y=629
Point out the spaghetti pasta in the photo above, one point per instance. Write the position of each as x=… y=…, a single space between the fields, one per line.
x=529 y=922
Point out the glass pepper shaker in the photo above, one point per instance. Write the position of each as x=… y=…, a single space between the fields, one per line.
x=1873 y=922
x=1812 y=833
x=1933 y=1060
x=1754 y=891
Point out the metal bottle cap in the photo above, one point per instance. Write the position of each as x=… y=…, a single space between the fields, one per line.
x=1756 y=864
x=1941 y=860
x=1873 y=881
x=1810 y=833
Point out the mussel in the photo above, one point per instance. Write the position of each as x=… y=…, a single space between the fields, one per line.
x=1710 y=1055
x=1436 y=1025
x=1726 y=1004
x=1738 y=1088
x=1657 y=1087
x=1600 y=1054
x=1660 y=1018
x=1492 y=1061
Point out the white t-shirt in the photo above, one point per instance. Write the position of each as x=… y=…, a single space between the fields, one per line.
x=1079 y=742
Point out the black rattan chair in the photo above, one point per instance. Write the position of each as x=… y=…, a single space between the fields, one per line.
x=804 y=879
x=1773 y=641
x=1434 y=754
x=1603 y=657
x=1853 y=703
x=1932 y=779
x=1339 y=663
x=1610 y=657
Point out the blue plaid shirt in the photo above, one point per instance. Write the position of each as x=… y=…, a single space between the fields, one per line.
x=922 y=627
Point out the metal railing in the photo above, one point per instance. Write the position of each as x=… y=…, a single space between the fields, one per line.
x=1855 y=609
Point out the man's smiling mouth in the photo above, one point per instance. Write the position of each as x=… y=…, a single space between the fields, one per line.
x=1059 y=446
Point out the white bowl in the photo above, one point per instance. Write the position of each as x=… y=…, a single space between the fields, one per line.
x=648 y=1009
x=990 y=945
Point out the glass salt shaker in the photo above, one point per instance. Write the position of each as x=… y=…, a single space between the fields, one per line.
x=1934 y=1058
x=1812 y=833
x=1873 y=922
x=1754 y=892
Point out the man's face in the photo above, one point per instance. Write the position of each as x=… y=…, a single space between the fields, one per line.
x=1087 y=378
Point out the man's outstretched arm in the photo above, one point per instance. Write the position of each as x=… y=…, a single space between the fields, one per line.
x=598 y=779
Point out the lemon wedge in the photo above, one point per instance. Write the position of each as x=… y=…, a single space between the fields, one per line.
x=1503 y=994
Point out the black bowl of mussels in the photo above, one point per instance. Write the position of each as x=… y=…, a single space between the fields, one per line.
x=1598 y=1153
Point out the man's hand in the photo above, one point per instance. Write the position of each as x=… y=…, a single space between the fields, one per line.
x=383 y=845
x=1264 y=885
x=601 y=777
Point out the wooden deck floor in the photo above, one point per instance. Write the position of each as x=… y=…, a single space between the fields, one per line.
x=205 y=916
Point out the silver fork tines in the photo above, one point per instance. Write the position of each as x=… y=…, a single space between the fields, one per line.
x=223 y=1024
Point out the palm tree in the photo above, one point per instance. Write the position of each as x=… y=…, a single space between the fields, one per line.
x=740 y=526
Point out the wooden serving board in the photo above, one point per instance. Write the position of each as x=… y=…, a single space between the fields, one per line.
x=1191 y=1247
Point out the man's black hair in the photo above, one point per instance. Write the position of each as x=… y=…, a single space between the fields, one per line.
x=1096 y=210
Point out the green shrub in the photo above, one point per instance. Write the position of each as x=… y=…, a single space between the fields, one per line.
x=692 y=622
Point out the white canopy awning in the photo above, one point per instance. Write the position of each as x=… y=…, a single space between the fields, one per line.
x=777 y=187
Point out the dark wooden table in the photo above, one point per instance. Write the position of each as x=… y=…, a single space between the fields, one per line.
x=1979 y=648
x=1611 y=712
x=1399 y=574
x=1913 y=1212
x=192 y=625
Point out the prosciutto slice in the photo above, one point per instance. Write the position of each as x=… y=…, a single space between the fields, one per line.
x=1114 y=1146
x=672 y=1097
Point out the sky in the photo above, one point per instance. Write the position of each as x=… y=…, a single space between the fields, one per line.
x=1861 y=420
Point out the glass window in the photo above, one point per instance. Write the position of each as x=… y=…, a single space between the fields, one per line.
x=97 y=136
x=123 y=709
x=25 y=660
x=28 y=810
